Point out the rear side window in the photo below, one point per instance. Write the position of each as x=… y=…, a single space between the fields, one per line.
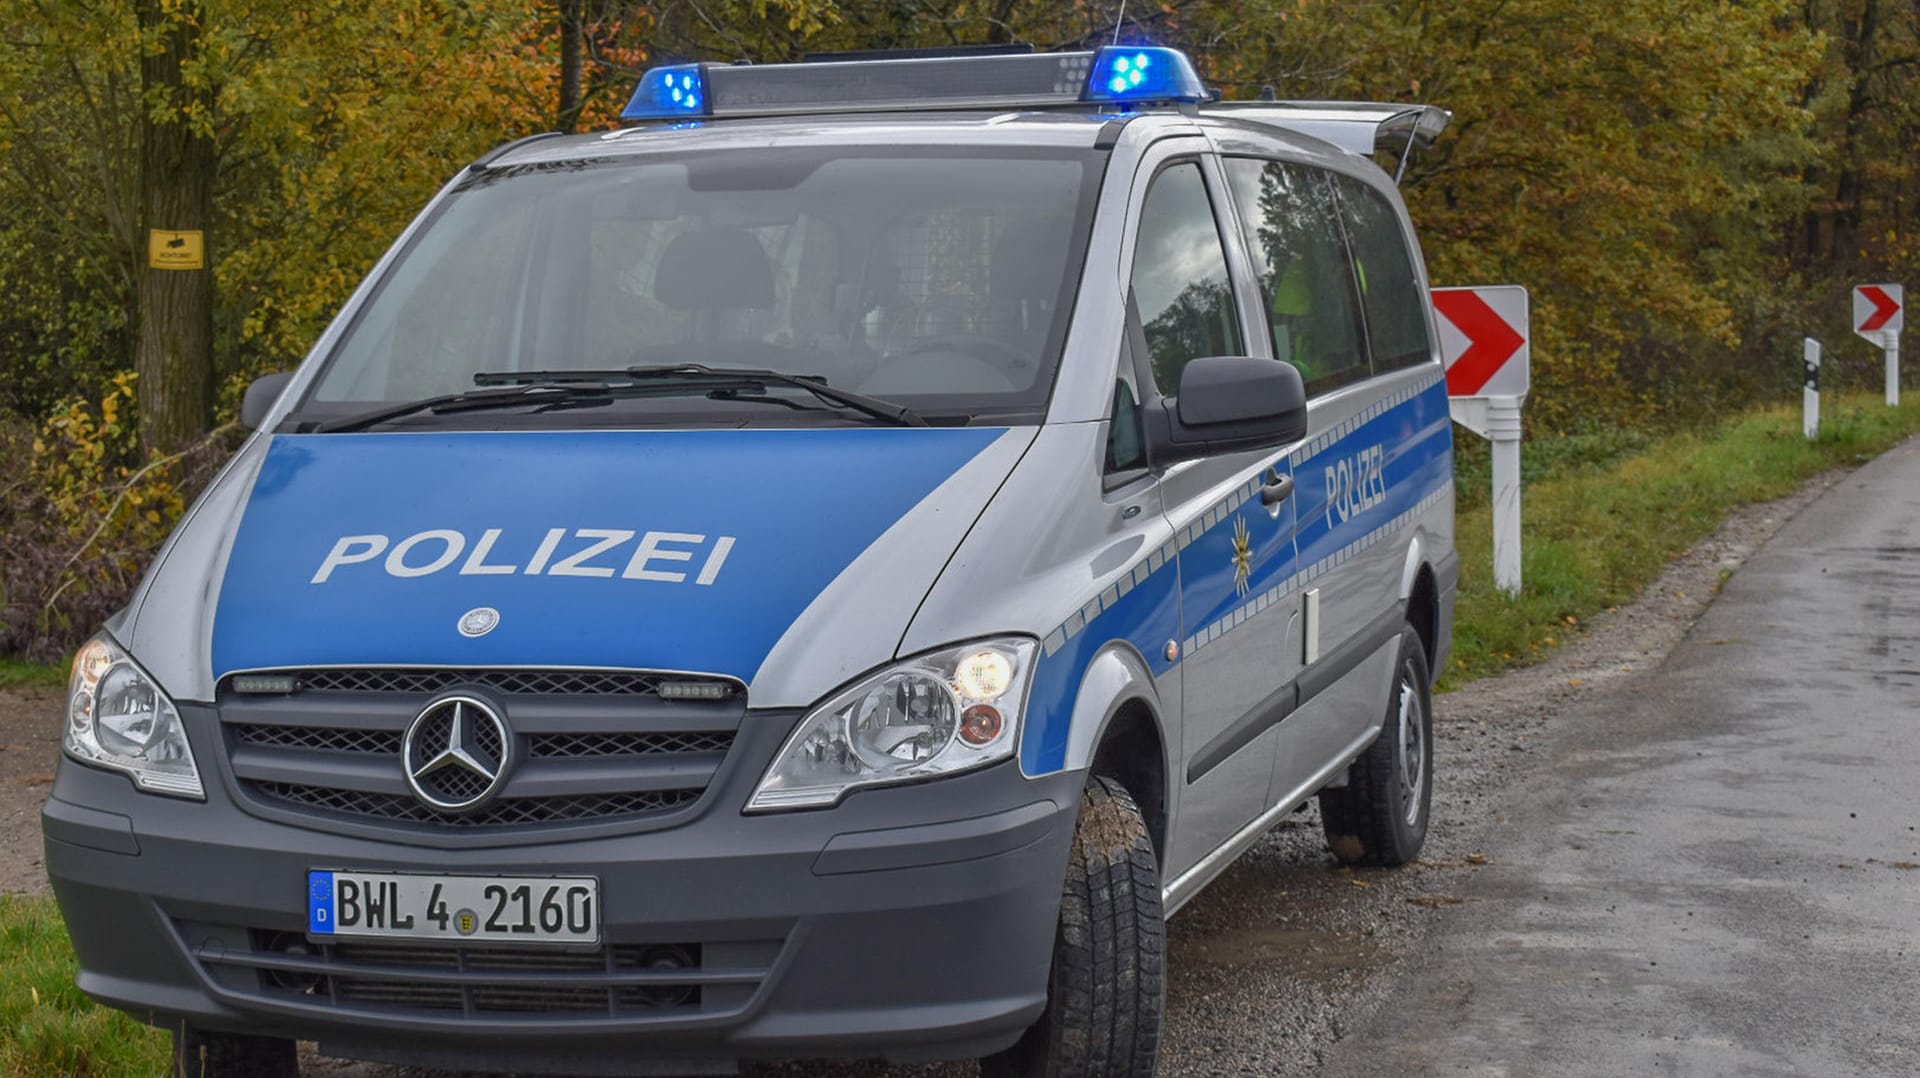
x=1180 y=282
x=1396 y=313
x=1292 y=221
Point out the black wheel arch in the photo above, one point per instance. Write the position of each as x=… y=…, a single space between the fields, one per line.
x=1131 y=748
x=1423 y=613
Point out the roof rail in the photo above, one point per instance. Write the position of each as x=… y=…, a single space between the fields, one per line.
x=1362 y=127
x=485 y=160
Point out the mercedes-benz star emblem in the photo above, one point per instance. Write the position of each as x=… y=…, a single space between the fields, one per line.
x=456 y=753
x=479 y=621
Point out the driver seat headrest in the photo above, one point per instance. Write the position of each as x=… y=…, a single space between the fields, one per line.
x=714 y=269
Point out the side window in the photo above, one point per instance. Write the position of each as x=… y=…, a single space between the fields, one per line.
x=1293 y=233
x=1126 y=443
x=1396 y=313
x=1180 y=282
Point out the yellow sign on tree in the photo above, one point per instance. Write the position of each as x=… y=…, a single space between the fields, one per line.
x=168 y=250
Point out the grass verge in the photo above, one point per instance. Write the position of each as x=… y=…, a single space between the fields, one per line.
x=1597 y=528
x=48 y=1028
x=15 y=672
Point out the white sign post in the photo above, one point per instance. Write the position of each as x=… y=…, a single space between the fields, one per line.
x=1879 y=313
x=1484 y=344
x=1810 y=397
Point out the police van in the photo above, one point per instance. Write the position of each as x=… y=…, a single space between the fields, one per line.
x=825 y=569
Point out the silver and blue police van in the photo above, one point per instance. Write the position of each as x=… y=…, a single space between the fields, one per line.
x=825 y=569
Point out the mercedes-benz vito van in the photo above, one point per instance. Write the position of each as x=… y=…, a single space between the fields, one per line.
x=824 y=570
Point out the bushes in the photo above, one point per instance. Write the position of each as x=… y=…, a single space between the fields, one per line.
x=83 y=513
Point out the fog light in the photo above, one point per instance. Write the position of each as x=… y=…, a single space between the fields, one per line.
x=980 y=724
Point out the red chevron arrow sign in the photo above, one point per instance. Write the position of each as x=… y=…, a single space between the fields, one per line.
x=1878 y=309
x=1483 y=340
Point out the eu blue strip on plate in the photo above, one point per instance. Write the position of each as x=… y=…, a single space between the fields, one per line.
x=320 y=903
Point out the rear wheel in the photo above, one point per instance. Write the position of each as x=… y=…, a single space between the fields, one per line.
x=1107 y=992
x=232 y=1055
x=1380 y=816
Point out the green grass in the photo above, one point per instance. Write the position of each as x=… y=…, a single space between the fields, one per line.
x=48 y=1028
x=16 y=672
x=1602 y=515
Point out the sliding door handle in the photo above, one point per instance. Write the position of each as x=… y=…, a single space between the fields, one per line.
x=1278 y=488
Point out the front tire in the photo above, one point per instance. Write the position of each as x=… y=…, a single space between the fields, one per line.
x=1107 y=993
x=1380 y=816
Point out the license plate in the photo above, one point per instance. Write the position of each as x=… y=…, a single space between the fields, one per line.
x=497 y=909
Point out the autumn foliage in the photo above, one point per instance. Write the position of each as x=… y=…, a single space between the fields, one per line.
x=1686 y=189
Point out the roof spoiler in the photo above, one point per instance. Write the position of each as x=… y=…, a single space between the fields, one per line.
x=1362 y=127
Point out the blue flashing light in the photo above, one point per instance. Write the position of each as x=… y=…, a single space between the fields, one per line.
x=669 y=93
x=1143 y=73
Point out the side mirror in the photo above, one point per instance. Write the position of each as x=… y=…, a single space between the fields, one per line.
x=1229 y=404
x=261 y=397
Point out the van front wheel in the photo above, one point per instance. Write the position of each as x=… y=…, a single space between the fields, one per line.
x=1107 y=992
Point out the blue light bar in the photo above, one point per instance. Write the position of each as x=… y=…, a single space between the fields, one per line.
x=1111 y=76
x=670 y=93
x=1144 y=73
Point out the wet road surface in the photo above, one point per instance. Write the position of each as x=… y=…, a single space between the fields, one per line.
x=1717 y=872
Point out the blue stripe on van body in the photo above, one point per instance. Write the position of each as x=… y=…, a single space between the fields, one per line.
x=1418 y=448
x=800 y=505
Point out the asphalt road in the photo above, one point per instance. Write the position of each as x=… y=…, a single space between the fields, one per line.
x=1717 y=872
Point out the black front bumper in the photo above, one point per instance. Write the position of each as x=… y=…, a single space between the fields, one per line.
x=910 y=922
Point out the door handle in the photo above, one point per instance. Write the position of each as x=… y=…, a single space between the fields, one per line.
x=1278 y=488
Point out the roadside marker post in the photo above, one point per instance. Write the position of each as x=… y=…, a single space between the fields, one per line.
x=1879 y=314
x=1811 y=395
x=1484 y=343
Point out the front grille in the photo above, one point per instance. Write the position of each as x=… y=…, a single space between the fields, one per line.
x=506 y=812
x=331 y=749
x=509 y=682
x=544 y=746
x=325 y=738
x=573 y=745
x=639 y=980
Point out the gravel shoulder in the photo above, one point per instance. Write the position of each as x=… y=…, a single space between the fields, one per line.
x=29 y=749
x=1272 y=964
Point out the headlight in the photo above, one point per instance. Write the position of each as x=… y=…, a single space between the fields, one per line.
x=118 y=718
x=938 y=714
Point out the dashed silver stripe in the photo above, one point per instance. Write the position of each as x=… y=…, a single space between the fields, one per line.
x=1224 y=510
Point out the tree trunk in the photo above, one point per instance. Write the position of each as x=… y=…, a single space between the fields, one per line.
x=173 y=352
x=1848 y=197
x=572 y=45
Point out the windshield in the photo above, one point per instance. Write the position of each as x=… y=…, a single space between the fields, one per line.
x=941 y=283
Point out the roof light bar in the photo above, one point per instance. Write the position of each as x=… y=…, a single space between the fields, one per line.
x=1144 y=74
x=670 y=93
x=1111 y=76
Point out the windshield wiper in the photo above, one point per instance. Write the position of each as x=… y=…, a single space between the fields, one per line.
x=508 y=389
x=474 y=400
x=699 y=375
